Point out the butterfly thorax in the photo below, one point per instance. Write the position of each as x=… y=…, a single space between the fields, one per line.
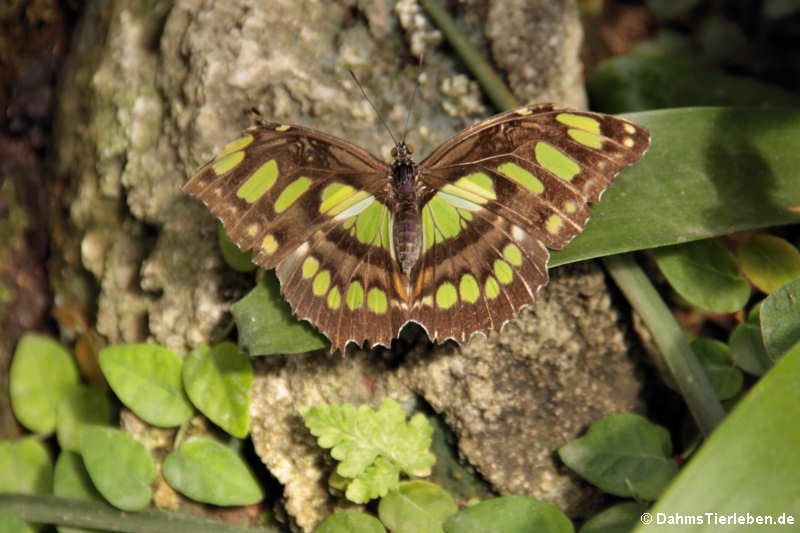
x=406 y=229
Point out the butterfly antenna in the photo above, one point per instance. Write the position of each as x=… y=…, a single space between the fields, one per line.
x=372 y=106
x=410 y=105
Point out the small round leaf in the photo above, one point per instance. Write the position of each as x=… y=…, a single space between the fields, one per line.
x=717 y=361
x=235 y=258
x=769 y=262
x=705 y=274
x=120 y=466
x=509 y=514
x=416 y=507
x=619 y=518
x=71 y=480
x=25 y=466
x=350 y=522
x=218 y=382
x=83 y=405
x=147 y=379
x=209 y=472
x=42 y=373
x=623 y=454
x=747 y=348
x=780 y=319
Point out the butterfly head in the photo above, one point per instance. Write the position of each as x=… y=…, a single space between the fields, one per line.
x=401 y=153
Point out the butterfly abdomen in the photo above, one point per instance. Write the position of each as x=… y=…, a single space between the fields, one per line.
x=406 y=230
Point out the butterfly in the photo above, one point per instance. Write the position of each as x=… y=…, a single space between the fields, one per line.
x=457 y=243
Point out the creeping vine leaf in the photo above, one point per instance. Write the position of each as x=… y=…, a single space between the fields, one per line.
x=372 y=447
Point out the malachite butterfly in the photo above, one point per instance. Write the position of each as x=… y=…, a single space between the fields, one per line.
x=457 y=243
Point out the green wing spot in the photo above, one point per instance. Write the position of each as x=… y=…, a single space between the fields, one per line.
x=476 y=188
x=225 y=164
x=334 y=298
x=446 y=295
x=585 y=138
x=355 y=296
x=376 y=300
x=491 y=288
x=521 y=176
x=338 y=197
x=503 y=271
x=556 y=162
x=579 y=121
x=321 y=283
x=553 y=224
x=373 y=223
x=235 y=146
x=291 y=193
x=269 y=244
x=310 y=267
x=428 y=231
x=512 y=254
x=468 y=289
x=445 y=217
x=259 y=183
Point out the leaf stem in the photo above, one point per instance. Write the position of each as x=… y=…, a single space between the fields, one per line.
x=692 y=381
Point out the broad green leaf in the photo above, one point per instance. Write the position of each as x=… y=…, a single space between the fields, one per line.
x=769 y=262
x=619 y=518
x=780 y=319
x=717 y=360
x=71 y=480
x=760 y=438
x=267 y=326
x=235 y=258
x=747 y=348
x=208 y=472
x=736 y=171
x=25 y=466
x=416 y=507
x=624 y=455
x=218 y=380
x=42 y=373
x=359 y=437
x=147 y=379
x=83 y=405
x=11 y=524
x=509 y=514
x=120 y=467
x=639 y=82
x=350 y=522
x=705 y=274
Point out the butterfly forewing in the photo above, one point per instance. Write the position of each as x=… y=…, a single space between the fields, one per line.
x=491 y=200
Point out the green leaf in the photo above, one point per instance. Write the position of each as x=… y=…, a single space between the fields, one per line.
x=71 y=480
x=639 y=82
x=624 y=455
x=705 y=274
x=11 y=524
x=147 y=379
x=416 y=507
x=376 y=480
x=769 y=262
x=509 y=514
x=760 y=438
x=25 y=466
x=42 y=373
x=82 y=406
x=747 y=349
x=208 y=472
x=120 y=467
x=717 y=360
x=619 y=518
x=235 y=258
x=350 y=522
x=358 y=437
x=218 y=382
x=267 y=326
x=780 y=319
x=737 y=171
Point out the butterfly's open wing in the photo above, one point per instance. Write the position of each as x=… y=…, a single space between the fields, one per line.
x=496 y=196
x=316 y=208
